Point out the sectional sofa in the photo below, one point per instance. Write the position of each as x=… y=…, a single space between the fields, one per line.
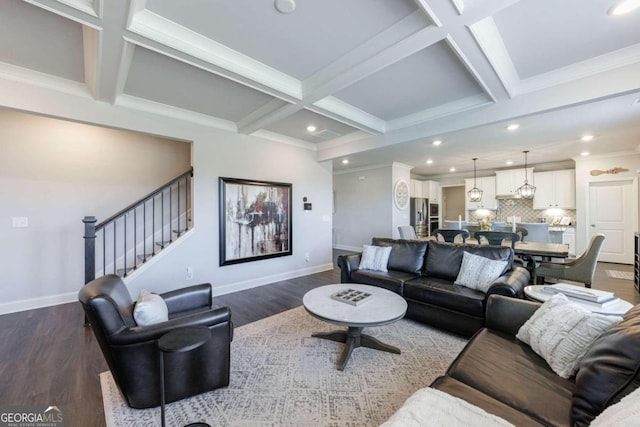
x=424 y=274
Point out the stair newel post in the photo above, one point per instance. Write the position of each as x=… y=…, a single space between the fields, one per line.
x=89 y=251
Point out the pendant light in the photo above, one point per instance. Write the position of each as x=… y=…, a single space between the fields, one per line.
x=475 y=194
x=526 y=191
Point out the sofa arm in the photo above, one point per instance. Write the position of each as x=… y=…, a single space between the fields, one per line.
x=510 y=284
x=141 y=334
x=347 y=264
x=507 y=315
x=188 y=298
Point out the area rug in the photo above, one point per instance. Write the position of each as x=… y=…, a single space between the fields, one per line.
x=617 y=274
x=281 y=376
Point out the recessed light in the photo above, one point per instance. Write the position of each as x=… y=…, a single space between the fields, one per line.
x=345 y=161
x=509 y=162
x=623 y=7
x=585 y=153
x=452 y=169
x=285 y=6
x=586 y=138
x=429 y=161
x=437 y=142
x=513 y=126
x=311 y=128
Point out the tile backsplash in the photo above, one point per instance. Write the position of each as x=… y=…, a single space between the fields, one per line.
x=523 y=208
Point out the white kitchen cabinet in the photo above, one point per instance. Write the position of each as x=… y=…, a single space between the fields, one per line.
x=426 y=189
x=555 y=189
x=508 y=181
x=569 y=238
x=431 y=191
x=488 y=186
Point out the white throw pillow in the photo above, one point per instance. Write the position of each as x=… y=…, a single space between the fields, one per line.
x=432 y=407
x=478 y=272
x=561 y=332
x=149 y=309
x=624 y=413
x=375 y=258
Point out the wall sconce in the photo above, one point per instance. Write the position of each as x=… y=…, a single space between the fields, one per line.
x=306 y=205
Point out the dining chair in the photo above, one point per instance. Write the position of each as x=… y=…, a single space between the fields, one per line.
x=451 y=235
x=499 y=238
x=536 y=231
x=580 y=270
x=407 y=232
x=522 y=232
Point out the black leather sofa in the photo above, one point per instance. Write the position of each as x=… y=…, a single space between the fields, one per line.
x=505 y=377
x=131 y=351
x=424 y=274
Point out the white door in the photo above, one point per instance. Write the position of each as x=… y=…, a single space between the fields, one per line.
x=611 y=213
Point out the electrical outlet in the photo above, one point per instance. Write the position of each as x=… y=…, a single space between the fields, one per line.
x=189 y=273
x=307 y=257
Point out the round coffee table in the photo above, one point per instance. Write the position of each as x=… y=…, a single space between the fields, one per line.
x=384 y=307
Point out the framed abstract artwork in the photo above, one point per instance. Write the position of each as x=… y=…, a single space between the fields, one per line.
x=255 y=220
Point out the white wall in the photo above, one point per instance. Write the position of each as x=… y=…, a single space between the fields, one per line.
x=584 y=166
x=399 y=217
x=35 y=282
x=362 y=206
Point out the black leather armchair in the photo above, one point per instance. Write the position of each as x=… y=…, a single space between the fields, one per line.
x=131 y=351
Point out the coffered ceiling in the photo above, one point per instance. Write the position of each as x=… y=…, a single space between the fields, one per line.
x=379 y=79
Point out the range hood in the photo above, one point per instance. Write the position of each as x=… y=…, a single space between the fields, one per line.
x=507 y=196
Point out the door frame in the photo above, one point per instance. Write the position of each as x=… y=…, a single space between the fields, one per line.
x=586 y=227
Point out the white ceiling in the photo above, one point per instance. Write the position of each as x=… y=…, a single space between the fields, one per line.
x=379 y=79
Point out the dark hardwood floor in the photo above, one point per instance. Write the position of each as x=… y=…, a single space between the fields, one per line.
x=49 y=358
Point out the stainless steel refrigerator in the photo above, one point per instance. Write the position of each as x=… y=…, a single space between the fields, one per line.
x=419 y=216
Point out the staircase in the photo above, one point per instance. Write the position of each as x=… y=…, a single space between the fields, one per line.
x=128 y=239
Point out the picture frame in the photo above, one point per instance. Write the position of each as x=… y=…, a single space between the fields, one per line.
x=255 y=220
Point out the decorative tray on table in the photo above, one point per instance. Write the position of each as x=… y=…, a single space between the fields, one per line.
x=352 y=296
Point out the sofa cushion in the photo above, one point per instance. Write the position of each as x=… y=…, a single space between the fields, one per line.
x=456 y=388
x=392 y=280
x=509 y=371
x=443 y=293
x=444 y=259
x=609 y=371
x=406 y=255
x=624 y=413
x=150 y=308
x=561 y=332
x=478 y=272
x=374 y=258
x=441 y=409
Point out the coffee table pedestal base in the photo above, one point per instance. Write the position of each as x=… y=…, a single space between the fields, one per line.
x=354 y=338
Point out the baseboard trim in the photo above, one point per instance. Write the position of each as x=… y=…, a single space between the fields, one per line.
x=266 y=280
x=40 y=302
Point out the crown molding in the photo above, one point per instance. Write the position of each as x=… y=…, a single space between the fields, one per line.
x=140 y=104
x=362 y=169
x=35 y=78
x=282 y=139
x=459 y=5
x=610 y=61
x=89 y=17
x=348 y=114
x=440 y=111
x=161 y=30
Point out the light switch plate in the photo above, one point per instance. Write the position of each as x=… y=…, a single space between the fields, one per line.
x=20 y=222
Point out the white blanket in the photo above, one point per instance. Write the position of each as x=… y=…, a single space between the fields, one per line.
x=431 y=407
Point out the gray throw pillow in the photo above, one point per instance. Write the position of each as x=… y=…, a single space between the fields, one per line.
x=375 y=258
x=478 y=272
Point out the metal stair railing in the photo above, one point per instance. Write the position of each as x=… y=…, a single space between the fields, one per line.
x=129 y=238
